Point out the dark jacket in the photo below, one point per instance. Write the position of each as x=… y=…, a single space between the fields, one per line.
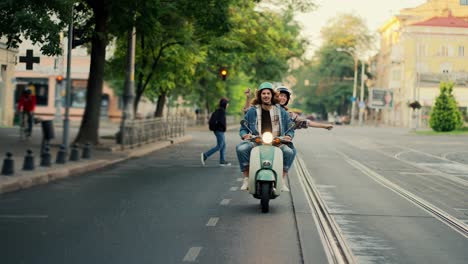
x=220 y=117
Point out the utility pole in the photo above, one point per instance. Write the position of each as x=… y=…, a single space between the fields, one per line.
x=356 y=62
x=353 y=105
x=66 y=120
x=361 y=100
x=128 y=95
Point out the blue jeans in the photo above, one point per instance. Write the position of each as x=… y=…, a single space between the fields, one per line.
x=244 y=148
x=220 y=145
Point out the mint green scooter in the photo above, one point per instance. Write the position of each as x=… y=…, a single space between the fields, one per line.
x=266 y=167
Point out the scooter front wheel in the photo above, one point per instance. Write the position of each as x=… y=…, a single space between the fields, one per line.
x=265 y=190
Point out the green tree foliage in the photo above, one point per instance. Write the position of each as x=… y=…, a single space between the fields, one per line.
x=170 y=35
x=38 y=21
x=445 y=115
x=348 y=31
x=330 y=73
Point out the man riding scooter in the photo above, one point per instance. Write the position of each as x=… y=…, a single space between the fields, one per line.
x=265 y=116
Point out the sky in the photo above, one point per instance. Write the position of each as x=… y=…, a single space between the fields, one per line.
x=374 y=13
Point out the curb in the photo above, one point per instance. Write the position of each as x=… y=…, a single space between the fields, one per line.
x=29 y=179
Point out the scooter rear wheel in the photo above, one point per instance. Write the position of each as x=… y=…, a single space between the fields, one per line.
x=265 y=190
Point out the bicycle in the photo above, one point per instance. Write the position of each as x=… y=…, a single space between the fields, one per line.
x=23 y=126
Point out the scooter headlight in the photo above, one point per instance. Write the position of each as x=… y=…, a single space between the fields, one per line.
x=267 y=137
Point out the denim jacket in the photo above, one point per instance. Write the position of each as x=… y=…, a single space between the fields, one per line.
x=251 y=117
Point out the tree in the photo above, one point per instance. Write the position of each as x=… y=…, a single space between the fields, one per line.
x=445 y=115
x=331 y=72
x=34 y=20
x=348 y=31
x=169 y=35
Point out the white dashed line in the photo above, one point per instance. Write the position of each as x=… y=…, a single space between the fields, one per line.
x=213 y=221
x=234 y=189
x=23 y=216
x=225 y=201
x=239 y=179
x=192 y=254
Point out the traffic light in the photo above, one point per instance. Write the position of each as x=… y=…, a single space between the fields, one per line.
x=223 y=72
x=59 y=79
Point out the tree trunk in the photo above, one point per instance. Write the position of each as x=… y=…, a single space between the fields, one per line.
x=89 y=129
x=140 y=86
x=160 y=105
x=136 y=101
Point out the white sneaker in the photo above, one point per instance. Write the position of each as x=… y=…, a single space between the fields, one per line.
x=224 y=164
x=245 y=184
x=285 y=188
x=202 y=157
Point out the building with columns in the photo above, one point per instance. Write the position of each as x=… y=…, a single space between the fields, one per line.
x=419 y=48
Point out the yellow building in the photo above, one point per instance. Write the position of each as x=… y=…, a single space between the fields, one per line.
x=419 y=48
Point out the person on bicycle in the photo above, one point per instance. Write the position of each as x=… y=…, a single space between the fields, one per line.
x=26 y=107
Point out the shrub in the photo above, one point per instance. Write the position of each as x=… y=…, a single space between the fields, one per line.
x=445 y=115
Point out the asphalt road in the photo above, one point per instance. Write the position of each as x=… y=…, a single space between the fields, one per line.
x=379 y=225
x=163 y=208
x=167 y=208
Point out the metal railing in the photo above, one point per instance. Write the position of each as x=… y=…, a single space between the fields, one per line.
x=202 y=120
x=139 y=132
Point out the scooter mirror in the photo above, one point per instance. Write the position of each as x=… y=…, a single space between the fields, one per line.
x=290 y=126
x=244 y=123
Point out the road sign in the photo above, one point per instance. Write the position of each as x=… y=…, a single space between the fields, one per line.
x=353 y=99
x=362 y=104
x=381 y=98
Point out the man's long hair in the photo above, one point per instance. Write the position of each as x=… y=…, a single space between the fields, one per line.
x=258 y=98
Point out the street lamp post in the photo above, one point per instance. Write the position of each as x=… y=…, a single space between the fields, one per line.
x=66 y=120
x=361 y=110
x=356 y=61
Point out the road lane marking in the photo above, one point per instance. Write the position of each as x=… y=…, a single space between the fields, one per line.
x=225 y=201
x=192 y=254
x=234 y=189
x=416 y=173
x=424 y=167
x=240 y=179
x=23 y=216
x=444 y=217
x=213 y=221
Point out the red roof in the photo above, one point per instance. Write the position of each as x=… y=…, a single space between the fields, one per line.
x=449 y=21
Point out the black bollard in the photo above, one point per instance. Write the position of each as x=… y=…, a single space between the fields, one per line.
x=75 y=153
x=28 y=164
x=46 y=157
x=86 y=154
x=61 y=155
x=8 y=167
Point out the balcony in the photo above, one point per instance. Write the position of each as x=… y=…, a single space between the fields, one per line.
x=433 y=79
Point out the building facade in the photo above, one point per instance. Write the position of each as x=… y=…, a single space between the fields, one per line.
x=419 y=48
x=50 y=93
x=7 y=71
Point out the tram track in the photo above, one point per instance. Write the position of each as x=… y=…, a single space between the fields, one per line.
x=335 y=245
x=438 y=213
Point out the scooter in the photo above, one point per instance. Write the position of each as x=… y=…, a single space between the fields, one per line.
x=266 y=167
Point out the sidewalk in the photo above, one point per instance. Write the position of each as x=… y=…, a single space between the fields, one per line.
x=103 y=155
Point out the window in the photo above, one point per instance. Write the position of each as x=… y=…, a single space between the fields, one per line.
x=39 y=87
x=461 y=50
x=443 y=51
x=396 y=75
x=463 y=2
x=78 y=94
x=422 y=50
